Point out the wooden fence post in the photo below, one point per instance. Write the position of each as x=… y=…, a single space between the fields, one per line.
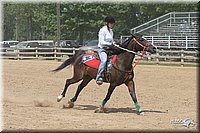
x=166 y=56
x=36 y=52
x=55 y=53
x=157 y=56
x=182 y=57
x=18 y=54
x=74 y=51
x=148 y=57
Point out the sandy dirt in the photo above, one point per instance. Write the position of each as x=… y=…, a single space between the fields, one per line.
x=165 y=94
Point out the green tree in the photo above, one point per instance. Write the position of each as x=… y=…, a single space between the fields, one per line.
x=80 y=21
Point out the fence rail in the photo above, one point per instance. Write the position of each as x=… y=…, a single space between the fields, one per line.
x=168 y=42
x=36 y=53
x=179 y=56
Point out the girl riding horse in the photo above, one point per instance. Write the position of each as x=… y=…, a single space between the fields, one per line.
x=121 y=72
x=105 y=40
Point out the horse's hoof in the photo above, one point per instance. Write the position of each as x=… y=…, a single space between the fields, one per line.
x=140 y=113
x=70 y=104
x=59 y=98
x=101 y=110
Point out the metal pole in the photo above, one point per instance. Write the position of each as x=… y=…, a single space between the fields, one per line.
x=58 y=22
x=152 y=40
x=168 y=42
x=170 y=20
x=157 y=25
x=186 y=42
x=174 y=17
x=189 y=18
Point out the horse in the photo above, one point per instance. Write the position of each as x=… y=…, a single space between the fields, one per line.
x=121 y=72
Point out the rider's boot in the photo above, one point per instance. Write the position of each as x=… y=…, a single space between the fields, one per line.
x=99 y=81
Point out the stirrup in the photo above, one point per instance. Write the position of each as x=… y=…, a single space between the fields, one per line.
x=99 y=81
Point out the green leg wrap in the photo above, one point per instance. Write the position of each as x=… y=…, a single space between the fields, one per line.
x=138 y=109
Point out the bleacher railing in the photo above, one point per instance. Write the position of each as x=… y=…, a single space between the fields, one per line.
x=172 y=30
x=170 y=19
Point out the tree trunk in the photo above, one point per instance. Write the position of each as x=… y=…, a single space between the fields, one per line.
x=29 y=32
x=42 y=34
x=81 y=35
x=58 y=22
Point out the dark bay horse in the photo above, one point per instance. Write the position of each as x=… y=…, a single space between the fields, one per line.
x=121 y=72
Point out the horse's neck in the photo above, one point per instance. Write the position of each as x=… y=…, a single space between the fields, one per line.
x=124 y=61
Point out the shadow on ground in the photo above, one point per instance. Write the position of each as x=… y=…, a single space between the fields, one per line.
x=117 y=110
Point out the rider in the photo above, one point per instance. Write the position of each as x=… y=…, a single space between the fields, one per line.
x=105 y=40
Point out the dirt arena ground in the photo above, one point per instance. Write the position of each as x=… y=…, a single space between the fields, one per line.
x=165 y=93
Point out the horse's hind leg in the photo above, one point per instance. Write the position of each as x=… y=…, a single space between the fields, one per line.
x=73 y=80
x=85 y=81
x=78 y=75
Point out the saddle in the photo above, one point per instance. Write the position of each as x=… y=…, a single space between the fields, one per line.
x=92 y=60
x=109 y=53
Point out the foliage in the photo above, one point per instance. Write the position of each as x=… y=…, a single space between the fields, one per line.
x=81 y=21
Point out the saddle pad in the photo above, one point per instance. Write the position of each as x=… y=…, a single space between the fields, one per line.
x=90 y=60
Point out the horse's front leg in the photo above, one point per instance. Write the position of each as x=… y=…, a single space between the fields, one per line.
x=131 y=87
x=101 y=109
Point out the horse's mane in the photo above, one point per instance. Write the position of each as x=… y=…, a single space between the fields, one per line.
x=116 y=50
x=126 y=42
x=137 y=36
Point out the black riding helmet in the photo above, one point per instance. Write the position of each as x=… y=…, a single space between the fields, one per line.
x=109 y=19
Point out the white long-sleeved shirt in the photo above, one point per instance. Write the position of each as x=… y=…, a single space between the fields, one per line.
x=105 y=37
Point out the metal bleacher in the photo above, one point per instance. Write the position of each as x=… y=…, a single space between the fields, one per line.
x=174 y=30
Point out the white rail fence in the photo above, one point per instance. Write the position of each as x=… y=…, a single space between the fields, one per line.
x=178 y=56
x=169 y=42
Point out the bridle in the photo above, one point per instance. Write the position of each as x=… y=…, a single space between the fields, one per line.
x=143 y=49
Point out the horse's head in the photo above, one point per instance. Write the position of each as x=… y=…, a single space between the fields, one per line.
x=141 y=44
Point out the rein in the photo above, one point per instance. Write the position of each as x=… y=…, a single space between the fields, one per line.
x=143 y=50
x=144 y=47
x=126 y=50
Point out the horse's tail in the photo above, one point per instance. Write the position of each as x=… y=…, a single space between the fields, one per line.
x=69 y=61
